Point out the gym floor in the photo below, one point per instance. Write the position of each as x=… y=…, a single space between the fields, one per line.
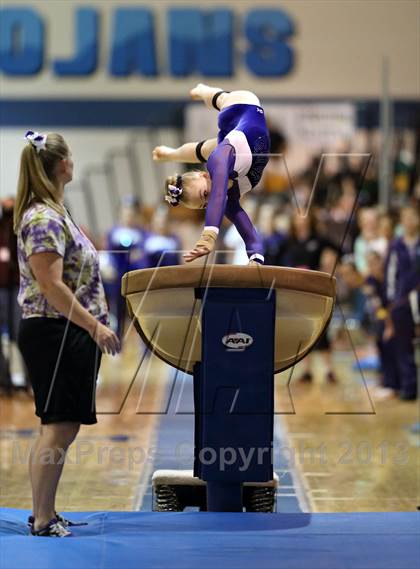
x=336 y=449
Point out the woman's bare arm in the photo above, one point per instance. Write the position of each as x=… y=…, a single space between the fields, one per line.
x=185 y=153
x=47 y=268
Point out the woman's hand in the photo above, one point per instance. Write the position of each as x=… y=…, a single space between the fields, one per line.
x=106 y=339
x=163 y=153
x=204 y=246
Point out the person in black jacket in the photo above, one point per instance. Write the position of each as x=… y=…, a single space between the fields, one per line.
x=307 y=249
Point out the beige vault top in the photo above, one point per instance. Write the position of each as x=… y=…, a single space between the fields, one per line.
x=166 y=314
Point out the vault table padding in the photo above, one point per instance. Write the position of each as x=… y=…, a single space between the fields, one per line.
x=166 y=313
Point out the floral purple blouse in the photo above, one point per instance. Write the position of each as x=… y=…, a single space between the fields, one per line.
x=43 y=229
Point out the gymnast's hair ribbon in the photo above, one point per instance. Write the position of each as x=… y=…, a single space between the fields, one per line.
x=173 y=194
x=37 y=140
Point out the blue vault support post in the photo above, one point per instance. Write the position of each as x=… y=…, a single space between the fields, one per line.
x=234 y=393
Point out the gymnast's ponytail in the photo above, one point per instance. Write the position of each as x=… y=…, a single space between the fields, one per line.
x=36 y=176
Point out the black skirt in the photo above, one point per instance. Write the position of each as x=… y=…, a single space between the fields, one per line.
x=62 y=361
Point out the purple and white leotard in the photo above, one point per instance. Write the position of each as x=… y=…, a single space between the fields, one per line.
x=240 y=156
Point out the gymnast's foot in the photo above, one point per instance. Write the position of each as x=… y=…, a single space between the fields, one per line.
x=203 y=92
x=196 y=92
x=162 y=153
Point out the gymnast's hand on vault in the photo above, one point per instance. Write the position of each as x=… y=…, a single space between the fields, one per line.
x=162 y=153
x=204 y=246
x=195 y=254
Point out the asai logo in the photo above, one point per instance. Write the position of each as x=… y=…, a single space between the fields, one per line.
x=237 y=341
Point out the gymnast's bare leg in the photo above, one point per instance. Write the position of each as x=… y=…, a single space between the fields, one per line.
x=206 y=93
x=187 y=152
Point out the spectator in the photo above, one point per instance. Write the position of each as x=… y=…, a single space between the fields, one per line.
x=336 y=222
x=306 y=249
x=386 y=228
x=373 y=290
x=275 y=179
x=402 y=282
x=305 y=245
x=125 y=245
x=354 y=281
x=323 y=345
x=10 y=313
x=162 y=246
x=275 y=242
x=233 y=241
x=369 y=238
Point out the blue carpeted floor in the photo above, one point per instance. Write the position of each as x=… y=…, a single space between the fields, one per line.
x=134 y=540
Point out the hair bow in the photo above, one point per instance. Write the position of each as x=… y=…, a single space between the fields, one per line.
x=174 y=193
x=37 y=140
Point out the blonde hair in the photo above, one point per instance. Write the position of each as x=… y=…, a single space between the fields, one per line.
x=36 y=176
x=187 y=178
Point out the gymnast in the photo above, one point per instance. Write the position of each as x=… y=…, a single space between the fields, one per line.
x=235 y=163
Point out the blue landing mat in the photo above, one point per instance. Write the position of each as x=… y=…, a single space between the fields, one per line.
x=134 y=540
